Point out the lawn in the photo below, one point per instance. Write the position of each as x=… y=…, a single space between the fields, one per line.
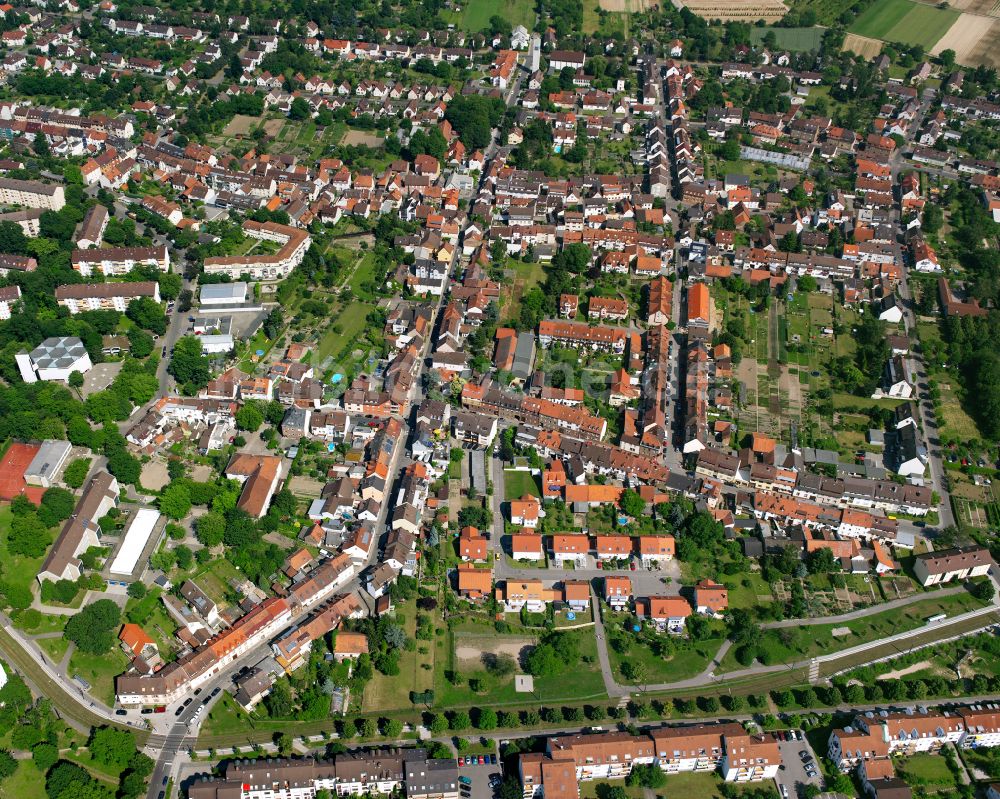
x=27 y=780
x=791 y=644
x=526 y=276
x=213 y=579
x=800 y=39
x=16 y=570
x=100 y=671
x=475 y=15
x=929 y=771
x=416 y=669
x=55 y=648
x=687 y=658
x=516 y=484
x=347 y=326
x=581 y=681
x=364 y=271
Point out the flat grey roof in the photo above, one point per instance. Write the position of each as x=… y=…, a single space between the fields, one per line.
x=215 y=292
x=48 y=458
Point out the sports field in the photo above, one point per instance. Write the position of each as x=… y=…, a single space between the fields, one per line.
x=905 y=21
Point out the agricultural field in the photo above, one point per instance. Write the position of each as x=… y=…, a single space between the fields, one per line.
x=799 y=39
x=905 y=21
x=973 y=38
x=862 y=45
x=733 y=10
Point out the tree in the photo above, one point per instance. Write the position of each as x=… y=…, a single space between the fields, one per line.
x=170 y=285
x=136 y=590
x=631 y=503
x=123 y=465
x=647 y=775
x=175 y=501
x=45 y=755
x=8 y=765
x=459 y=721
x=299 y=109
x=147 y=313
x=140 y=343
x=184 y=557
x=983 y=590
x=438 y=724
x=249 y=418
x=57 y=505
x=210 y=529
x=947 y=58
x=75 y=379
x=189 y=364
x=28 y=536
x=273 y=323
x=111 y=746
x=76 y=473
x=92 y=628
x=487 y=719
x=743 y=630
x=392 y=729
x=807 y=283
x=12 y=239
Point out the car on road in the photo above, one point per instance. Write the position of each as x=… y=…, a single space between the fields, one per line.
x=162 y=794
x=163 y=353
x=784 y=791
x=179 y=710
x=216 y=691
x=188 y=701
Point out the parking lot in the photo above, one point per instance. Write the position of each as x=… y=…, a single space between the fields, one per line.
x=479 y=781
x=792 y=774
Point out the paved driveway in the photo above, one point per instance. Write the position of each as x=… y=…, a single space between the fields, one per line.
x=793 y=775
x=480 y=776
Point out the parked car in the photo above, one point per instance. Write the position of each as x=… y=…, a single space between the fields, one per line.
x=493 y=760
x=465 y=780
x=121 y=712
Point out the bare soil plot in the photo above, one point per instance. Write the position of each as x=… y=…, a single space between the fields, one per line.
x=726 y=10
x=240 y=125
x=356 y=137
x=154 y=475
x=975 y=40
x=273 y=126
x=305 y=486
x=862 y=45
x=469 y=651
